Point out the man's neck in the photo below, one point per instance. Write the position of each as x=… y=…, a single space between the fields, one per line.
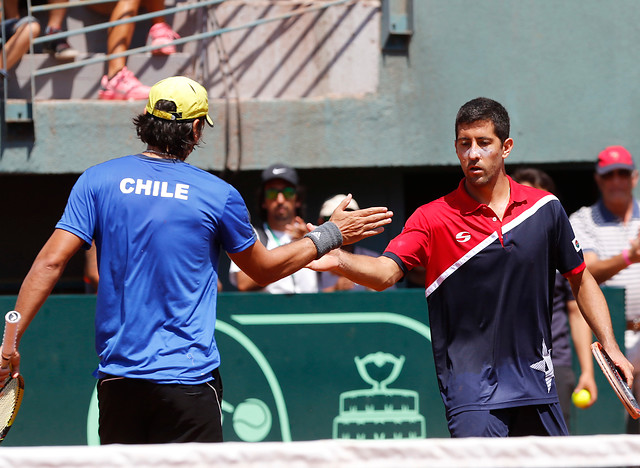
x=624 y=211
x=496 y=196
x=278 y=225
x=154 y=152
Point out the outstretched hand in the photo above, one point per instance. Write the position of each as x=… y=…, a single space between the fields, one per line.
x=327 y=262
x=359 y=224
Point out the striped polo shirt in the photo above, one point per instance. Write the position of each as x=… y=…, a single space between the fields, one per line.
x=600 y=231
x=489 y=288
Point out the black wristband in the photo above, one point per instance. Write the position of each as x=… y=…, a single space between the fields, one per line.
x=326 y=237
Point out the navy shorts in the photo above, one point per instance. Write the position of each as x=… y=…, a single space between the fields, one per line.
x=537 y=420
x=136 y=411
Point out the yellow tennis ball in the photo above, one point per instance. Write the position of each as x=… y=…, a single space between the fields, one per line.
x=582 y=398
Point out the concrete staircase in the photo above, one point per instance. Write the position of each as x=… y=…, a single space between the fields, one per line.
x=267 y=51
x=84 y=82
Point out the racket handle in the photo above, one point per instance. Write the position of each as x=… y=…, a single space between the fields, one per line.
x=12 y=318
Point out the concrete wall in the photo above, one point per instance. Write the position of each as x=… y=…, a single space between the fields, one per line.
x=564 y=70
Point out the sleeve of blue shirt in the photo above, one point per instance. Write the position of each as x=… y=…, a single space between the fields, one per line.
x=236 y=232
x=79 y=216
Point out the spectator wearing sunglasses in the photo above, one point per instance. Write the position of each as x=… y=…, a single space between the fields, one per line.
x=281 y=203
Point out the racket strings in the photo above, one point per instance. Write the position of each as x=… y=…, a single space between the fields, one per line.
x=9 y=397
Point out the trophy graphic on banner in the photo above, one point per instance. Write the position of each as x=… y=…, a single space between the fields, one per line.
x=379 y=412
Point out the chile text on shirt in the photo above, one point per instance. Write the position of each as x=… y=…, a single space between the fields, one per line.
x=153 y=188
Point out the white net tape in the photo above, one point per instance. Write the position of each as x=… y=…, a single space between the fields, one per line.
x=525 y=452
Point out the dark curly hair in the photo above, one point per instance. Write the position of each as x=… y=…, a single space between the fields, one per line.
x=534 y=177
x=485 y=109
x=170 y=136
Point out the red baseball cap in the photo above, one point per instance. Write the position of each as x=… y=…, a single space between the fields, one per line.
x=612 y=158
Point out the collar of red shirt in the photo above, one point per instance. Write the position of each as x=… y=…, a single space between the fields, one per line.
x=468 y=205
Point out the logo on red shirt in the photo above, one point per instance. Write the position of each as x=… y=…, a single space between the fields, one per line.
x=463 y=236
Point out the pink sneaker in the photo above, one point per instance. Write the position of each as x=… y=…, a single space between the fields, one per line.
x=123 y=87
x=159 y=34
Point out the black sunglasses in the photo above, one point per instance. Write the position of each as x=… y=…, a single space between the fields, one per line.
x=289 y=193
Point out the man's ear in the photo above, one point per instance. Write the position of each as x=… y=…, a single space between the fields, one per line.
x=197 y=128
x=507 y=146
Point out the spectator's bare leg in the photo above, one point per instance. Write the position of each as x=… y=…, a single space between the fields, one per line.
x=56 y=17
x=60 y=48
x=119 y=37
x=152 y=6
x=18 y=45
x=160 y=32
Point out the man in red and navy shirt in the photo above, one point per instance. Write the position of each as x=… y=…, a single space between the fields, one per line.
x=491 y=249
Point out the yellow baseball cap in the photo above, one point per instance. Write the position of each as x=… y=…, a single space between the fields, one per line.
x=189 y=96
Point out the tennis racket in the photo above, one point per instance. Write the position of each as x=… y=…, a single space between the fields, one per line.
x=13 y=389
x=612 y=374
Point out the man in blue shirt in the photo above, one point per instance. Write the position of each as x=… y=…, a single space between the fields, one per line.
x=159 y=225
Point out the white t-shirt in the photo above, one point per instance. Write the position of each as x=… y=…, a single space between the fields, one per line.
x=302 y=281
x=600 y=231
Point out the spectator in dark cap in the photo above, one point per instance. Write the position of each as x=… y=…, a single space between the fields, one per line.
x=608 y=232
x=280 y=201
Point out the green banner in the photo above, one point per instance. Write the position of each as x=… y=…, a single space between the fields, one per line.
x=355 y=365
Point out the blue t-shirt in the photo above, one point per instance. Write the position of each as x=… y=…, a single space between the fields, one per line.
x=158 y=226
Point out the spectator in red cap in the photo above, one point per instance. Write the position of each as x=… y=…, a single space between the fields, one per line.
x=608 y=232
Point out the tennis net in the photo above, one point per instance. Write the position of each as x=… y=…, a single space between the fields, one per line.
x=525 y=452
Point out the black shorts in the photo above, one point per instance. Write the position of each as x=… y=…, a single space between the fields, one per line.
x=537 y=420
x=136 y=411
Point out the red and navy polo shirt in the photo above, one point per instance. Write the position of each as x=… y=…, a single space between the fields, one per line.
x=489 y=288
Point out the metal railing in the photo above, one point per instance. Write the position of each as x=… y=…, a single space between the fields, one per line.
x=203 y=5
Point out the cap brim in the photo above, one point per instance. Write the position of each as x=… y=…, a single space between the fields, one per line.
x=209 y=121
x=613 y=167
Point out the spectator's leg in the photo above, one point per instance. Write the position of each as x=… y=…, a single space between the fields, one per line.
x=119 y=37
x=160 y=32
x=120 y=83
x=56 y=17
x=11 y=9
x=60 y=48
x=18 y=45
x=152 y=6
